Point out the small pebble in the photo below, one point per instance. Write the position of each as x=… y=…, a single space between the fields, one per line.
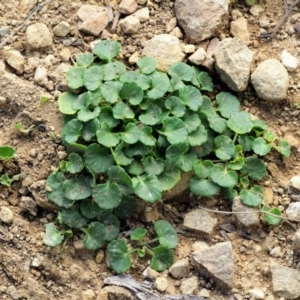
x=6 y=215
x=161 y=284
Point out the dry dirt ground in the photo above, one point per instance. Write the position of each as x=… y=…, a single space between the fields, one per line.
x=28 y=269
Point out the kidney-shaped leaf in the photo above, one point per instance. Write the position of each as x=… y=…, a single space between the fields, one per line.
x=175 y=130
x=182 y=70
x=75 y=163
x=107 y=138
x=132 y=92
x=162 y=259
x=138 y=234
x=118 y=256
x=77 y=188
x=203 y=187
x=224 y=177
x=107 y=49
x=74 y=77
x=160 y=84
x=111 y=224
x=240 y=122
x=53 y=237
x=94 y=236
x=228 y=104
x=273 y=219
x=107 y=195
x=119 y=176
x=148 y=189
x=93 y=77
x=167 y=235
x=72 y=217
x=147 y=64
x=191 y=97
x=224 y=147
x=65 y=103
x=253 y=196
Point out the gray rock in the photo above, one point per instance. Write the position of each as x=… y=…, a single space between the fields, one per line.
x=271 y=80
x=13 y=292
x=198 y=57
x=16 y=60
x=161 y=283
x=189 y=286
x=4 y=30
x=216 y=262
x=128 y=7
x=130 y=25
x=296 y=244
x=295 y=182
x=142 y=14
x=29 y=205
x=233 y=61
x=257 y=293
x=201 y=19
x=285 y=281
x=248 y=219
x=200 y=220
x=293 y=210
x=61 y=29
x=6 y=215
x=166 y=49
x=180 y=268
x=93 y=19
x=239 y=29
x=209 y=62
x=38 y=36
x=289 y=61
x=255 y=10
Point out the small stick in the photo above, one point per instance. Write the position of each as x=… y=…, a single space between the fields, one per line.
x=33 y=12
x=116 y=19
x=271 y=34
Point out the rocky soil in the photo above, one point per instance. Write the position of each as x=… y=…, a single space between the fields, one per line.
x=219 y=256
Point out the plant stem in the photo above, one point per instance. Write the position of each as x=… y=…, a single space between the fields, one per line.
x=114 y=157
x=235 y=137
x=152 y=241
x=133 y=250
x=148 y=249
x=62 y=249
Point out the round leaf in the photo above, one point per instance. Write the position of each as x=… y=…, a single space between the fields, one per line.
x=118 y=175
x=197 y=137
x=106 y=116
x=283 y=148
x=223 y=177
x=131 y=133
x=93 y=77
x=152 y=116
x=175 y=130
x=191 y=120
x=89 y=129
x=7 y=152
x=132 y=92
x=107 y=138
x=118 y=256
x=237 y=163
x=111 y=224
x=148 y=189
x=107 y=195
x=147 y=64
x=89 y=209
x=135 y=168
x=120 y=157
x=240 y=122
x=122 y=111
x=107 y=49
x=205 y=81
x=252 y=197
x=146 y=136
x=159 y=84
x=94 y=236
x=138 y=234
x=110 y=91
x=203 y=168
x=272 y=220
x=254 y=167
x=85 y=114
x=85 y=59
x=153 y=165
x=167 y=235
x=127 y=208
x=71 y=131
x=74 y=77
x=175 y=105
x=246 y=142
x=261 y=147
x=203 y=187
x=228 y=104
x=72 y=217
x=53 y=237
x=182 y=70
x=75 y=163
x=162 y=259
x=169 y=177
x=191 y=97
x=224 y=147
x=217 y=124
x=65 y=103
x=113 y=70
x=77 y=188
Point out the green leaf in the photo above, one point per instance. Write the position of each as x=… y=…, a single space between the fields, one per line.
x=169 y=177
x=149 y=188
x=138 y=234
x=113 y=70
x=261 y=147
x=90 y=209
x=208 y=146
x=94 y=236
x=132 y=92
x=237 y=163
x=187 y=161
x=96 y=97
x=191 y=97
x=53 y=237
x=7 y=181
x=72 y=217
x=146 y=136
x=85 y=114
x=127 y=208
x=205 y=81
x=272 y=220
x=111 y=224
x=224 y=147
x=144 y=81
x=175 y=83
x=107 y=138
x=228 y=104
x=75 y=163
x=85 y=59
x=71 y=131
x=283 y=148
x=175 y=130
x=65 y=103
x=197 y=137
x=203 y=187
x=240 y=122
x=203 y=168
x=167 y=235
x=207 y=107
x=120 y=157
x=191 y=121
x=107 y=195
x=97 y=158
x=131 y=133
x=223 y=177
x=82 y=101
x=93 y=77
x=137 y=149
x=162 y=258
x=159 y=84
x=107 y=49
x=245 y=182
x=153 y=165
x=106 y=116
x=175 y=105
x=135 y=168
x=130 y=76
x=110 y=91
x=89 y=129
x=74 y=77
x=246 y=142
x=152 y=116
x=228 y=193
x=118 y=256
x=77 y=188
x=122 y=111
x=147 y=64
x=119 y=176
x=7 y=152
x=182 y=70
x=253 y=196
x=217 y=124
x=269 y=136
x=254 y=167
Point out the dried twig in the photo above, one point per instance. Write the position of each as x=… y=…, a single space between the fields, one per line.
x=24 y=22
x=271 y=34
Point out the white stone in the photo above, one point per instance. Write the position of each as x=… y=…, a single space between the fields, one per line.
x=257 y=293
x=295 y=182
x=130 y=25
x=198 y=246
x=16 y=60
x=255 y=10
x=88 y=295
x=142 y=14
x=171 y=25
x=239 y=28
x=128 y=7
x=293 y=210
x=38 y=36
x=61 y=29
x=40 y=76
x=289 y=61
x=198 y=57
x=134 y=58
x=176 y=32
x=189 y=49
x=204 y=293
x=189 y=286
x=6 y=215
x=180 y=268
x=161 y=283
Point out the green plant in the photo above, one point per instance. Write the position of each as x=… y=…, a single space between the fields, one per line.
x=248 y=2
x=19 y=127
x=44 y=99
x=7 y=153
x=130 y=134
x=7 y=181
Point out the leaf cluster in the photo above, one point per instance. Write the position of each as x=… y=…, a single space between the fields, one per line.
x=7 y=153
